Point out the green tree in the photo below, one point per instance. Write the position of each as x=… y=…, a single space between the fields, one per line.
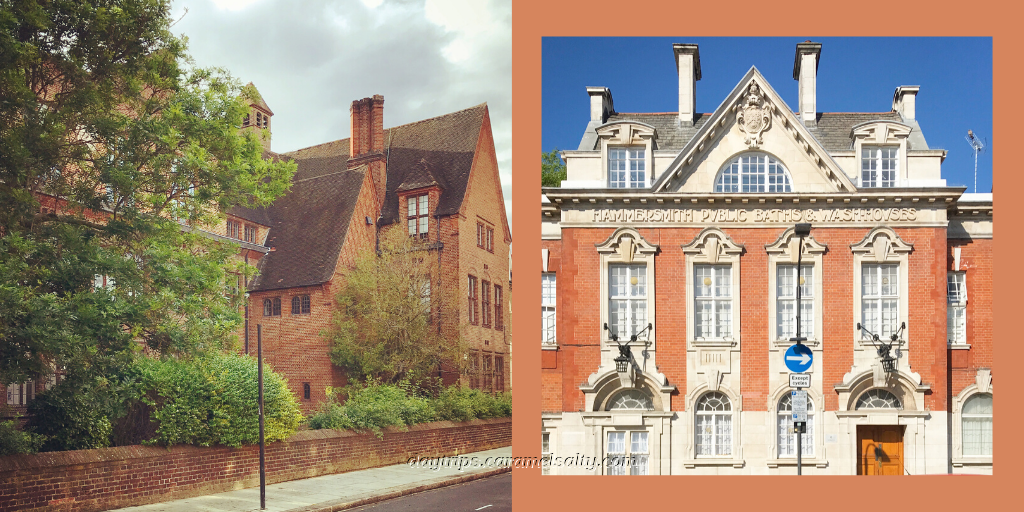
x=389 y=323
x=552 y=169
x=115 y=150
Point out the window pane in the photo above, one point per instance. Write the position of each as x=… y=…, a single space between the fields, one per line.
x=423 y=203
x=978 y=404
x=723 y=311
x=977 y=436
x=616 y=442
x=423 y=225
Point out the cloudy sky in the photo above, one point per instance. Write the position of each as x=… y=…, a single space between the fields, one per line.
x=311 y=58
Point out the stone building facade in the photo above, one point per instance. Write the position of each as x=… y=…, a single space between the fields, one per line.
x=674 y=234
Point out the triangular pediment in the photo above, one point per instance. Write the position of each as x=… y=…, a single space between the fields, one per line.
x=753 y=121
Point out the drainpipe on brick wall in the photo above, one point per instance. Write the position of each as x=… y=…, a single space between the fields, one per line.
x=246 y=301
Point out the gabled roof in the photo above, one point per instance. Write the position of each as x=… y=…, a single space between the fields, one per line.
x=689 y=151
x=308 y=226
x=259 y=100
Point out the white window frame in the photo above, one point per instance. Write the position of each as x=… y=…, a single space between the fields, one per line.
x=982 y=385
x=759 y=167
x=882 y=296
x=639 y=456
x=713 y=247
x=709 y=290
x=881 y=246
x=635 y=299
x=956 y=308
x=627 y=134
x=546 y=455
x=964 y=416
x=633 y=160
x=715 y=417
x=879 y=157
x=626 y=246
x=882 y=134
x=549 y=308
x=21 y=393
x=784 y=251
x=813 y=442
x=785 y=416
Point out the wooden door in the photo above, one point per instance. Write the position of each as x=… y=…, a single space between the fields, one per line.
x=880 y=450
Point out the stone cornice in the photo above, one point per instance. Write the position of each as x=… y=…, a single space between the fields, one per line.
x=893 y=197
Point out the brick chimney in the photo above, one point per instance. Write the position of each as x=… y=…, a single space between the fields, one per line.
x=805 y=71
x=366 y=145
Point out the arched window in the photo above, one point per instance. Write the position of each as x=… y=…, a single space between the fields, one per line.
x=753 y=172
x=300 y=304
x=977 y=425
x=787 y=439
x=878 y=399
x=631 y=400
x=714 y=425
x=272 y=307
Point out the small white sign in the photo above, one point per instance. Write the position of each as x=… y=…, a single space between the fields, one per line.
x=831 y=438
x=799 y=380
x=799 y=405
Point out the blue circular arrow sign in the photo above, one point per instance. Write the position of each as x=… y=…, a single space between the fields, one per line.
x=798 y=358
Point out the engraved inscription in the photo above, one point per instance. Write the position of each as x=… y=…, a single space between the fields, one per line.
x=739 y=216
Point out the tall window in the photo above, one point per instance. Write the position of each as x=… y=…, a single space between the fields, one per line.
x=480 y=235
x=547 y=308
x=712 y=289
x=785 y=301
x=878 y=166
x=787 y=439
x=626 y=168
x=272 y=307
x=234 y=229
x=977 y=425
x=628 y=459
x=474 y=309
x=714 y=425
x=545 y=453
x=880 y=299
x=499 y=373
x=20 y=394
x=499 y=322
x=627 y=290
x=300 y=305
x=485 y=299
x=489 y=245
x=474 y=369
x=956 y=307
x=488 y=374
x=250 y=233
x=753 y=173
x=417 y=217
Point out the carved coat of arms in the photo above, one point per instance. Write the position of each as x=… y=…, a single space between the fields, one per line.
x=754 y=116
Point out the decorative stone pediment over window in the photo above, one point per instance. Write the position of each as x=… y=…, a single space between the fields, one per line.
x=883 y=134
x=716 y=257
x=787 y=247
x=882 y=245
x=626 y=246
x=784 y=252
x=627 y=134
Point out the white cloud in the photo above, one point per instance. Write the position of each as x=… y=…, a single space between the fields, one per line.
x=311 y=58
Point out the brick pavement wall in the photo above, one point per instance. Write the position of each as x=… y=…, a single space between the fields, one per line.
x=107 y=478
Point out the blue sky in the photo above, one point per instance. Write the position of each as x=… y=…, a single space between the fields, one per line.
x=856 y=74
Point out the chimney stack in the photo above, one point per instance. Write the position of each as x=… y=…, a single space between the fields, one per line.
x=688 y=67
x=904 y=101
x=805 y=69
x=366 y=145
x=600 y=104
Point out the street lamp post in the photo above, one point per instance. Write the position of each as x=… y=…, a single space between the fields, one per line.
x=259 y=378
x=801 y=230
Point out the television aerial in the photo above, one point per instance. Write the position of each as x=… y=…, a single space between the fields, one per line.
x=978 y=146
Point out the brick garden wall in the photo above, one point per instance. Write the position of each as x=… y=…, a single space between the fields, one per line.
x=102 y=479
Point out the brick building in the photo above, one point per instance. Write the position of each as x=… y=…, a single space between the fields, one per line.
x=679 y=228
x=437 y=179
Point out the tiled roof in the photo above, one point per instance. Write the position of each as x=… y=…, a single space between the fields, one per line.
x=833 y=128
x=308 y=227
x=438 y=150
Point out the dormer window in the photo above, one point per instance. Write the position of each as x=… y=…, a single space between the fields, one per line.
x=753 y=172
x=417 y=218
x=879 y=166
x=626 y=167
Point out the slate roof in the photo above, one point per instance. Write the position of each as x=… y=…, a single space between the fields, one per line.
x=308 y=225
x=832 y=131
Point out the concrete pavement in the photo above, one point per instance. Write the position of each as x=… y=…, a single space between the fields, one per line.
x=336 y=492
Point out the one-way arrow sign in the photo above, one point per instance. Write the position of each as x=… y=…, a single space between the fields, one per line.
x=798 y=358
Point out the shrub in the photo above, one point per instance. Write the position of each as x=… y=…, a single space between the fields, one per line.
x=14 y=441
x=76 y=413
x=212 y=400
x=375 y=406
